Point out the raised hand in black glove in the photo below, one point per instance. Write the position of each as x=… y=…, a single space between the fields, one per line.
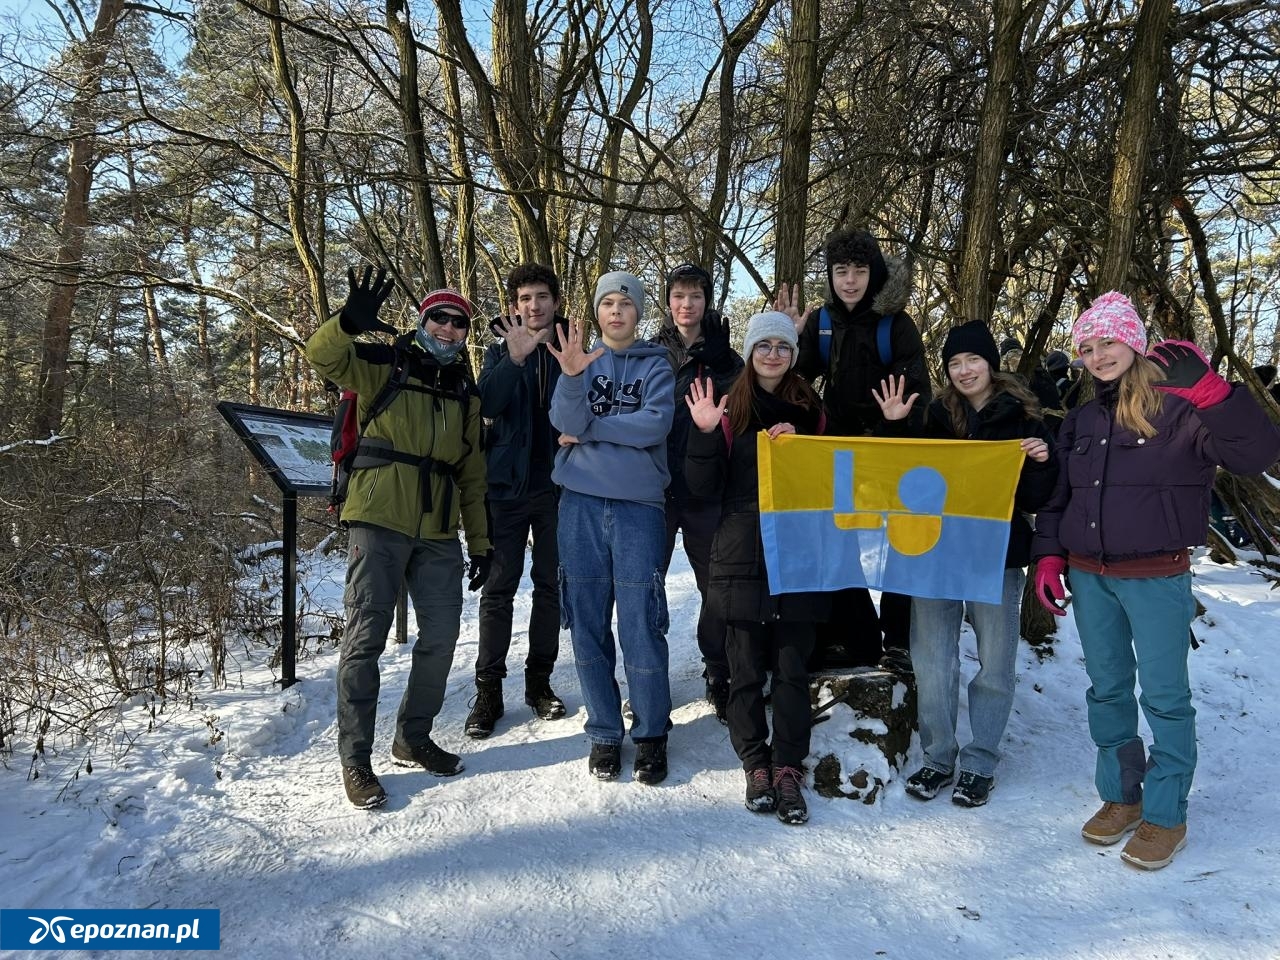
x=1187 y=373
x=716 y=344
x=364 y=299
x=478 y=570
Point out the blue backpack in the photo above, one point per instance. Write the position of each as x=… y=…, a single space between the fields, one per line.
x=883 y=343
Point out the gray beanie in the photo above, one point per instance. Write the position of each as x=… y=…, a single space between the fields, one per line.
x=770 y=325
x=619 y=281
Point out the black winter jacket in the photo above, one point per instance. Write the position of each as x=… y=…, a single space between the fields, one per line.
x=738 y=589
x=1003 y=418
x=854 y=366
x=709 y=356
x=511 y=397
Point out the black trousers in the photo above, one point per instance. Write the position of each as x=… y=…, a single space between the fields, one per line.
x=856 y=635
x=510 y=524
x=699 y=520
x=754 y=649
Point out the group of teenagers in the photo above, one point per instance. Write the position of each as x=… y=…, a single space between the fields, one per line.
x=593 y=458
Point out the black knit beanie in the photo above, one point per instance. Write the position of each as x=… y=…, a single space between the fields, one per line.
x=972 y=337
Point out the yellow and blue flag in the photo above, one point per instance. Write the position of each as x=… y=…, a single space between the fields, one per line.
x=928 y=518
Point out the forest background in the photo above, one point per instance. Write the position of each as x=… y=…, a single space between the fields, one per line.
x=183 y=186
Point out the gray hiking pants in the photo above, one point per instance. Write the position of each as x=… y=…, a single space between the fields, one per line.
x=378 y=561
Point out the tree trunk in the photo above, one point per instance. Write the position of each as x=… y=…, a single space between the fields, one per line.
x=415 y=143
x=1129 y=174
x=297 y=166
x=978 y=287
x=618 y=124
x=68 y=266
x=797 y=140
x=464 y=195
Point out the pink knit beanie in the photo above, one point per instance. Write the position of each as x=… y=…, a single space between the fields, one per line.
x=1113 y=316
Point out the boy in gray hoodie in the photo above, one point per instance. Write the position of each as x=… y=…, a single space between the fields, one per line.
x=613 y=407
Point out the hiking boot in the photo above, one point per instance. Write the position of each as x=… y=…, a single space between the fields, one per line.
x=362 y=786
x=898 y=662
x=926 y=783
x=718 y=697
x=485 y=710
x=651 y=762
x=605 y=762
x=428 y=756
x=1152 y=847
x=972 y=790
x=1112 y=822
x=787 y=782
x=539 y=695
x=760 y=795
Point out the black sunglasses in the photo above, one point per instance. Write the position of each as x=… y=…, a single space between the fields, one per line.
x=442 y=317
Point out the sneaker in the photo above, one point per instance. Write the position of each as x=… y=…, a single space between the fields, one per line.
x=628 y=714
x=760 y=795
x=486 y=708
x=926 y=783
x=972 y=790
x=1112 y=822
x=428 y=756
x=539 y=695
x=1152 y=847
x=651 y=762
x=605 y=762
x=787 y=782
x=898 y=662
x=718 y=697
x=362 y=786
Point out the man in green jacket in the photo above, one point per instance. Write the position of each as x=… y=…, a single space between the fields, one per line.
x=418 y=467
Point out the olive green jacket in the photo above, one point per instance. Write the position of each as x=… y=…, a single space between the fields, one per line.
x=420 y=424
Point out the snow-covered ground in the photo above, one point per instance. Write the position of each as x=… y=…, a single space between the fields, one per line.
x=236 y=804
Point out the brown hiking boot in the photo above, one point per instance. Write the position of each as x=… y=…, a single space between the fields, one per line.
x=1152 y=847
x=1112 y=822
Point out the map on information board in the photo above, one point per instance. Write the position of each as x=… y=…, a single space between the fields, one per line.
x=294 y=447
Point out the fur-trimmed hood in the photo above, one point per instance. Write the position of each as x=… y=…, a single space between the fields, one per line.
x=896 y=292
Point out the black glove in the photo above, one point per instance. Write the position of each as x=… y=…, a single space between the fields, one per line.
x=1187 y=373
x=360 y=312
x=478 y=570
x=715 y=336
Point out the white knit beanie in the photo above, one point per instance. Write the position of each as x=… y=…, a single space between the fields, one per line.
x=770 y=325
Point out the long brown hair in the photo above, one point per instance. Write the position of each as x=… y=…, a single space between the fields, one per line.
x=957 y=405
x=791 y=389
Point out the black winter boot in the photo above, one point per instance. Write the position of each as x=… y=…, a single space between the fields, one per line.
x=428 y=755
x=539 y=695
x=486 y=709
x=363 y=788
x=651 y=762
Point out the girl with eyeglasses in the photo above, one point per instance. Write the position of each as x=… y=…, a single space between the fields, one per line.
x=765 y=632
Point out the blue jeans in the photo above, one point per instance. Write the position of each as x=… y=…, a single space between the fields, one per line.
x=613 y=552
x=935 y=657
x=1129 y=628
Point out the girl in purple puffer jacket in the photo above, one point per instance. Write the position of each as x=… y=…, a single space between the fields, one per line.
x=1137 y=467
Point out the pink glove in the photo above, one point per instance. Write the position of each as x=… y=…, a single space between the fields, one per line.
x=1187 y=373
x=1051 y=590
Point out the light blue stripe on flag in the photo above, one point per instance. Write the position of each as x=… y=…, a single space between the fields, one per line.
x=805 y=551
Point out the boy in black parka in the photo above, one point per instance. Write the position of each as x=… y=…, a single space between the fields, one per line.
x=863 y=288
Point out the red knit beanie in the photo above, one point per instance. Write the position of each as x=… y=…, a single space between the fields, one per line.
x=445 y=298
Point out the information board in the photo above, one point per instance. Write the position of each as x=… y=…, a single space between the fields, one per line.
x=294 y=447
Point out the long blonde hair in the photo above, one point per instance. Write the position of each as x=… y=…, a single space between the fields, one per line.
x=1139 y=400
